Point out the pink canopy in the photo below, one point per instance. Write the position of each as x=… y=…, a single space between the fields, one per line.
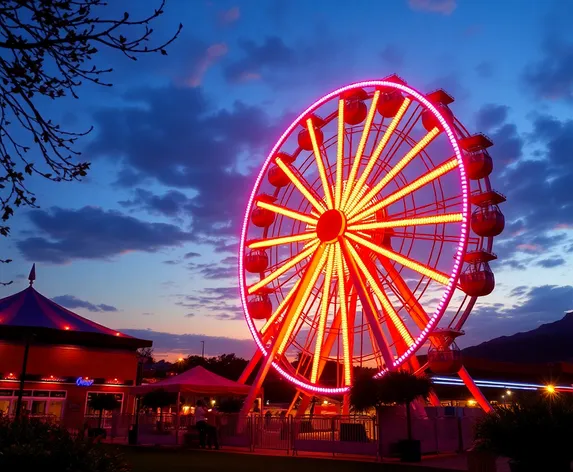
x=196 y=380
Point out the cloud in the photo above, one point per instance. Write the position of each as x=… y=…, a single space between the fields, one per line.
x=535 y=305
x=221 y=303
x=485 y=70
x=551 y=262
x=225 y=269
x=229 y=16
x=69 y=301
x=211 y=55
x=392 y=55
x=491 y=116
x=445 y=7
x=93 y=233
x=551 y=76
x=168 y=344
x=191 y=255
x=181 y=140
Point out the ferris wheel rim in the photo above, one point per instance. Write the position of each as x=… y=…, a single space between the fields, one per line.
x=450 y=287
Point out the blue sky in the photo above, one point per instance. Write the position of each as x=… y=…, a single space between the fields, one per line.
x=150 y=234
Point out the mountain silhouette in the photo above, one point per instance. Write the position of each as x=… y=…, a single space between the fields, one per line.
x=551 y=342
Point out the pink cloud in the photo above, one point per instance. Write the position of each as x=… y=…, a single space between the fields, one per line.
x=212 y=55
x=227 y=17
x=445 y=7
x=529 y=247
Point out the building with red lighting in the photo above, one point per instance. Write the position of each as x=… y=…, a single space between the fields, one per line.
x=63 y=357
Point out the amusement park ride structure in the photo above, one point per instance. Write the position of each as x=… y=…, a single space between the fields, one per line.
x=367 y=237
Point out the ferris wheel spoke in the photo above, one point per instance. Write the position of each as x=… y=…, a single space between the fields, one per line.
x=425 y=179
x=418 y=221
x=282 y=305
x=301 y=185
x=360 y=149
x=346 y=357
x=313 y=270
x=295 y=215
x=446 y=238
x=411 y=154
x=339 y=156
x=376 y=287
x=324 y=305
x=368 y=305
x=377 y=152
x=406 y=262
x=320 y=164
x=295 y=238
x=400 y=288
x=287 y=265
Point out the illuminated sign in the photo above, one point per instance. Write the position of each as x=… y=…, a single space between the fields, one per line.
x=81 y=382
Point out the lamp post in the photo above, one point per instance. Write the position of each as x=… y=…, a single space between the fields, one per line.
x=203 y=349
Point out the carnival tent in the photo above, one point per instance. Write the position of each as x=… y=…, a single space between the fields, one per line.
x=197 y=380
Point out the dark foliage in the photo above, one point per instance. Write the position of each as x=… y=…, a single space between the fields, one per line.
x=32 y=445
x=231 y=405
x=101 y=402
x=47 y=51
x=538 y=433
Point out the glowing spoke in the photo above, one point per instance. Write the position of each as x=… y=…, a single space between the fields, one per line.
x=282 y=269
x=323 y=314
x=368 y=306
x=411 y=187
x=319 y=164
x=300 y=186
x=283 y=240
x=280 y=308
x=360 y=150
x=419 y=147
x=410 y=264
x=377 y=289
x=427 y=220
x=307 y=286
x=377 y=152
x=295 y=215
x=339 y=155
x=343 y=316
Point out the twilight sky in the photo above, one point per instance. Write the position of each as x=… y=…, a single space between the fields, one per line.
x=147 y=243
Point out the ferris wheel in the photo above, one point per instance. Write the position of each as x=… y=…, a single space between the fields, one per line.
x=367 y=236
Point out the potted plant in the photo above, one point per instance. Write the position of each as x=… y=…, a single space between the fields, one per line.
x=101 y=402
x=534 y=436
x=159 y=399
x=400 y=388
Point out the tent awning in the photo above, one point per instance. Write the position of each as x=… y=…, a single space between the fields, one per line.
x=197 y=380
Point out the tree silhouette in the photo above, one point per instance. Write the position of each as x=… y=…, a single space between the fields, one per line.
x=101 y=402
x=47 y=51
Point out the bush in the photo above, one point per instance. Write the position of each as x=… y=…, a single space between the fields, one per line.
x=537 y=434
x=32 y=445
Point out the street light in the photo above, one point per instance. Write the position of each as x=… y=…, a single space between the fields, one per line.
x=508 y=392
x=551 y=389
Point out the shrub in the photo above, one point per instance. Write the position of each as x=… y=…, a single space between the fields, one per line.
x=32 y=445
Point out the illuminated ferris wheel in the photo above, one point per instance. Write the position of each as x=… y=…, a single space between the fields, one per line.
x=367 y=235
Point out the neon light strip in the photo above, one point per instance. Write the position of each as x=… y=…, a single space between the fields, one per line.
x=360 y=150
x=501 y=384
x=303 y=300
x=425 y=220
x=455 y=384
x=411 y=187
x=339 y=155
x=319 y=163
x=377 y=152
x=396 y=320
x=343 y=316
x=280 y=308
x=299 y=185
x=283 y=240
x=395 y=170
x=282 y=269
x=416 y=266
x=457 y=260
x=323 y=314
x=295 y=215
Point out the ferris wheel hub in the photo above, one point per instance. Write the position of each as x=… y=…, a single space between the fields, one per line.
x=331 y=225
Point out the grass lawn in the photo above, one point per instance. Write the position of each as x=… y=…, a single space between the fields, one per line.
x=173 y=460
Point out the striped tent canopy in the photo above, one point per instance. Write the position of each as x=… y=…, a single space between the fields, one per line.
x=29 y=313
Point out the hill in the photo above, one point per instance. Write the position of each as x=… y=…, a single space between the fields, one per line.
x=551 y=342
